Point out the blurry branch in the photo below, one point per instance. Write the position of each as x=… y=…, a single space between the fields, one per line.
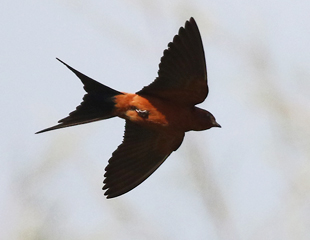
x=289 y=114
x=211 y=192
x=131 y=37
x=38 y=211
x=107 y=24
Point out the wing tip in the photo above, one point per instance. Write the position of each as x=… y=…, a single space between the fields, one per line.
x=110 y=193
x=192 y=20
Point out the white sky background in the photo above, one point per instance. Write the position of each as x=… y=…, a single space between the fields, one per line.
x=248 y=180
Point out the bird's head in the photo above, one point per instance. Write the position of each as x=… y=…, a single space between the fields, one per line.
x=204 y=120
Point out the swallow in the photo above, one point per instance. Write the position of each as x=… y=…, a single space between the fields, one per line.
x=157 y=116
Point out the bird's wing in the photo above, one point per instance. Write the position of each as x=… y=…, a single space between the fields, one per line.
x=182 y=74
x=143 y=150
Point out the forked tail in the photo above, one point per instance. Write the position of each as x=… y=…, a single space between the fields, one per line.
x=97 y=104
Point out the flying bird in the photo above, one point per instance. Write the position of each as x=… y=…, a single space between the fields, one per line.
x=157 y=116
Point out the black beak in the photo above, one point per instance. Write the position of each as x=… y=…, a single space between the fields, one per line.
x=215 y=124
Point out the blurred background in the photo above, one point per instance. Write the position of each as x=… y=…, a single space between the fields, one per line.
x=248 y=180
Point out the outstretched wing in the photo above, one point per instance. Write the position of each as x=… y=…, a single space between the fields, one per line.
x=182 y=75
x=143 y=150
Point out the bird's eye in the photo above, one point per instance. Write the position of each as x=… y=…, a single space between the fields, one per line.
x=142 y=113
